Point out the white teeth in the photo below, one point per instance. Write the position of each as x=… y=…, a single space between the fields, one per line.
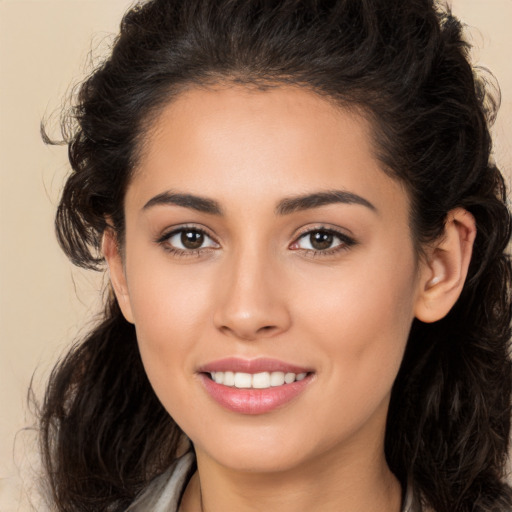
x=243 y=380
x=276 y=378
x=262 y=380
x=229 y=379
x=289 y=378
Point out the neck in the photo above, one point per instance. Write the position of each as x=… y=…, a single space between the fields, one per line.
x=356 y=482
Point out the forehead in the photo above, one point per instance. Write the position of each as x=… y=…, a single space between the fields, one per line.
x=234 y=142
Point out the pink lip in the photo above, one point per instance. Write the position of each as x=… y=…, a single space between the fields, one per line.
x=253 y=401
x=235 y=364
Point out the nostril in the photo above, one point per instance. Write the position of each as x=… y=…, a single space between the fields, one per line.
x=266 y=328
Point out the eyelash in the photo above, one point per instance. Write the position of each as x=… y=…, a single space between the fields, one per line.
x=346 y=242
x=184 y=253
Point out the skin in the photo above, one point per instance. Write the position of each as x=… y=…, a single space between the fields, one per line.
x=257 y=289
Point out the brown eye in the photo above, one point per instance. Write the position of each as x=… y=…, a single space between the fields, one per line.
x=188 y=240
x=192 y=239
x=321 y=240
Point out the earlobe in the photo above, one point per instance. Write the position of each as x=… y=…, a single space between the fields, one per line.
x=114 y=261
x=446 y=266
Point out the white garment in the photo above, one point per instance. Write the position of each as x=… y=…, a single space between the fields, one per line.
x=163 y=494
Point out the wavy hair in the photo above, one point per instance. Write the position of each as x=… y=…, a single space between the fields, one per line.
x=405 y=64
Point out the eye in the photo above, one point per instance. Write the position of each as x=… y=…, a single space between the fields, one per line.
x=322 y=240
x=188 y=239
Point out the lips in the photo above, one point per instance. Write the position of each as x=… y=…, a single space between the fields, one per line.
x=236 y=364
x=253 y=386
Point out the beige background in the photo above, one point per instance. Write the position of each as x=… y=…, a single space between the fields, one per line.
x=44 y=47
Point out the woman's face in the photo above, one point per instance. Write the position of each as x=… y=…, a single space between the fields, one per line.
x=265 y=242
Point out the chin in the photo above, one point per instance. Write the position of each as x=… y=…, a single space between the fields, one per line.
x=259 y=460
x=263 y=452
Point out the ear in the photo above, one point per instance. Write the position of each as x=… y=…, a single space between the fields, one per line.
x=445 y=268
x=114 y=260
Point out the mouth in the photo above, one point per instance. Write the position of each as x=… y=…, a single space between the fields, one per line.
x=254 y=386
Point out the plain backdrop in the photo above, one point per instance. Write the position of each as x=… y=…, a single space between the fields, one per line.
x=45 y=47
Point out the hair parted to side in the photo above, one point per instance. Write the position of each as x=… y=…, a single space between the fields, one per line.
x=405 y=65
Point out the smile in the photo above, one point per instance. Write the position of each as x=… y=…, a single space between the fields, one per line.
x=256 y=386
x=261 y=380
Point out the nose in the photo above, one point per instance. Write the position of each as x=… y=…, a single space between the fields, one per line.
x=251 y=300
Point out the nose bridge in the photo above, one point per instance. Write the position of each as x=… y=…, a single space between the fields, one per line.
x=252 y=301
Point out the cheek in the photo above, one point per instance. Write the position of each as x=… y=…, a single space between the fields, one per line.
x=170 y=311
x=362 y=318
x=170 y=306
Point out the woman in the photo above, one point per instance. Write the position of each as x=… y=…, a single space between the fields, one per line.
x=305 y=237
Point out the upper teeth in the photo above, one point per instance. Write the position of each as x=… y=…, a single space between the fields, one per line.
x=257 y=380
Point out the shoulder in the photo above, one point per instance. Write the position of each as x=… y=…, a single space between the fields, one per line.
x=163 y=494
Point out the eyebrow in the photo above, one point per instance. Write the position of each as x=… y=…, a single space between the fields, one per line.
x=201 y=204
x=284 y=207
x=309 y=201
